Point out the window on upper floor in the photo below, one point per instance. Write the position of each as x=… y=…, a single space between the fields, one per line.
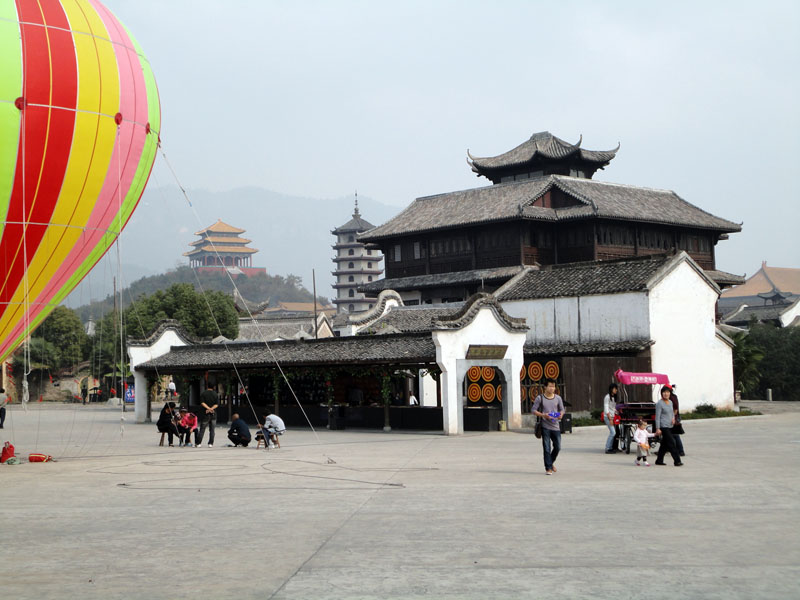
x=398 y=254
x=351 y=252
x=351 y=278
x=369 y=265
x=350 y=238
x=351 y=265
x=369 y=278
x=351 y=308
x=351 y=293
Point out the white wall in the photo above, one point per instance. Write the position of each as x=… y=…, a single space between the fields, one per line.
x=427 y=390
x=608 y=317
x=451 y=348
x=142 y=354
x=687 y=347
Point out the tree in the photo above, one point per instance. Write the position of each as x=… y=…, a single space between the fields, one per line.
x=65 y=337
x=779 y=368
x=205 y=315
x=746 y=358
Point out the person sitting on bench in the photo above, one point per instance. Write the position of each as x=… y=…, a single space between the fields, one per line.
x=273 y=427
x=239 y=433
x=166 y=422
x=186 y=426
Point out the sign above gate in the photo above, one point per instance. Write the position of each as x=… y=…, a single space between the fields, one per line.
x=486 y=351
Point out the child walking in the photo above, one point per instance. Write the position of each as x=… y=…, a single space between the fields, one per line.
x=641 y=435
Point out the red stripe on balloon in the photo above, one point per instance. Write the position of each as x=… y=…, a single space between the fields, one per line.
x=46 y=137
x=126 y=154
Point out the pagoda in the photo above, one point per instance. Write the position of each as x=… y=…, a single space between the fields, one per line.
x=356 y=265
x=221 y=247
x=543 y=209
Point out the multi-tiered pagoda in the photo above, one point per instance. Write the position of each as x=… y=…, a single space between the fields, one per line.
x=355 y=265
x=221 y=247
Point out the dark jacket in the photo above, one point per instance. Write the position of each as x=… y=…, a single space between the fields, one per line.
x=240 y=428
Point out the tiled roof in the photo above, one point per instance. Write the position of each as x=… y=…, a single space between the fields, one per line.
x=363 y=350
x=354 y=224
x=765 y=280
x=744 y=314
x=408 y=319
x=220 y=227
x=561 y=349
x=257 y=330
x=511 y=201
x=583 y=279
x=544 y=145
x=218 y=239
x=158 y=331
x=221 y=250
x=416 y=282
x=723 y=278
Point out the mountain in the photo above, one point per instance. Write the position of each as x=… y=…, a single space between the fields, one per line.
x=292 y=234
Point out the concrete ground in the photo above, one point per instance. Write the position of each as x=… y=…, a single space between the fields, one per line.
x=357 y=514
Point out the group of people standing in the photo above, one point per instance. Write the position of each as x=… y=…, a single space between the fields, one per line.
x=667 y=419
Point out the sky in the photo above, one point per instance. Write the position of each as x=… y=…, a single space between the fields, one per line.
x=319 y=99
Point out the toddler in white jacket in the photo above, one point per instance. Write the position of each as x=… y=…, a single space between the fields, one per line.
x=641 y=437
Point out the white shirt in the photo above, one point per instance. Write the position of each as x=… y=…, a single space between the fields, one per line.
x=274 y=423
x=641 y=435
x=609 y=406
x=412 y=400
x=171 y=386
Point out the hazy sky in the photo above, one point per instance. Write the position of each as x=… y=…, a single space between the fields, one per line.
x=321 y=98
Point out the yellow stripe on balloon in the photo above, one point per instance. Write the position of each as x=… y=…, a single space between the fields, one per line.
x=93 y=144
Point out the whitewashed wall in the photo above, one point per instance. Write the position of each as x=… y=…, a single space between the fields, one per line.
x=142 y=354
x=687 y=347
x=427 y=390
x=451 y=348
x=608 y=318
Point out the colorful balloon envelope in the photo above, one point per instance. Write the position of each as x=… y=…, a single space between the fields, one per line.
x=79 y=124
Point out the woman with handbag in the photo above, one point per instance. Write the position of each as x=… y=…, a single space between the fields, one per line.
x=665 y=419
x=609 y=410
x=677 y=429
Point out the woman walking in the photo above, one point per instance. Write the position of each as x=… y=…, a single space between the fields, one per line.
x=609 y=410
x=665 y=419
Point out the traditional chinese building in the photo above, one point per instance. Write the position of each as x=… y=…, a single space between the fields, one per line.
x=543 y=208
x=221 y=247
x=356 y=265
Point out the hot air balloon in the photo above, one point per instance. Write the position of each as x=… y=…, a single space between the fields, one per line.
x=79 y=124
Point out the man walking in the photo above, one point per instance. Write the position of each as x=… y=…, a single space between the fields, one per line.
x=550 y=408
x=209 y=401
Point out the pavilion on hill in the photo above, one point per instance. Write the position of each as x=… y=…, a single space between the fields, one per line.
x=221 y=247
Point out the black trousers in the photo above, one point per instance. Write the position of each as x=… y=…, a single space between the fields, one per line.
x=170 y=430
x=237 y=440
x=667 y=445
x=186 y=435
x=2 y=415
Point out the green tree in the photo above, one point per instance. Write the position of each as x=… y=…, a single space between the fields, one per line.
x=779 y=368
x=65 y=337
x=746 y=357
x=205 y=315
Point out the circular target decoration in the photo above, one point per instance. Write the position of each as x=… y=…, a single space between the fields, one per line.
x=523 y=392
x=488 y=392
x=474 y=373
x=535 y=371
x=474 y=392
x=522 y=373
x=551 y=370
x=499 y=393
x=488 y=373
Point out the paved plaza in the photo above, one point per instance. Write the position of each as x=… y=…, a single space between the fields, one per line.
x=362 y=514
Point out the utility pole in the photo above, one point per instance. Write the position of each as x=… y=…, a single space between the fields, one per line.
x=314 y=285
